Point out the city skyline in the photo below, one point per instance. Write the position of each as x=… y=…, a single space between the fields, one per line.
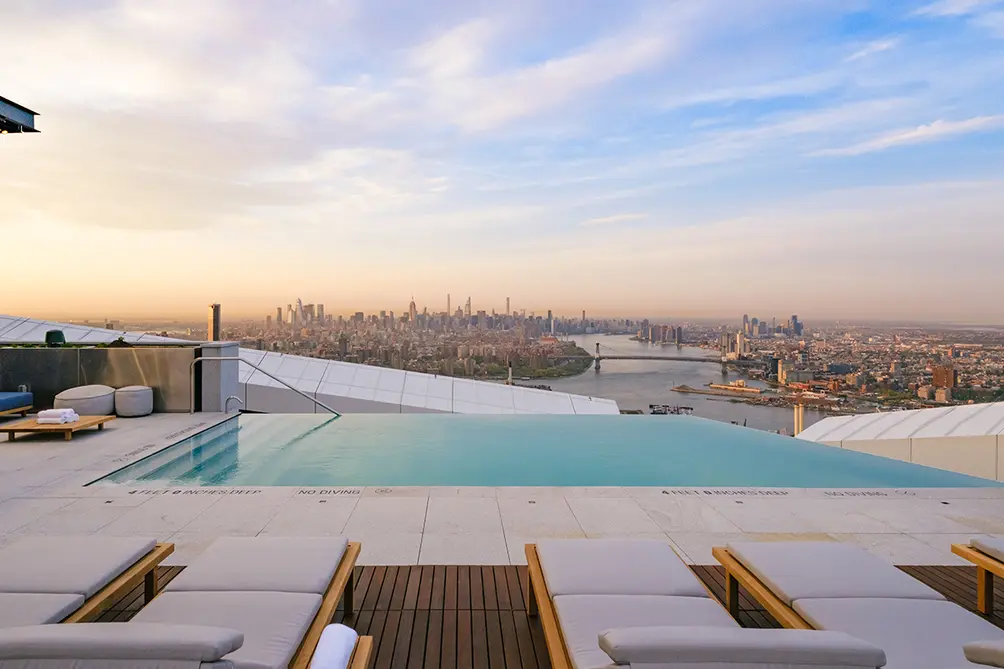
x=841 y=160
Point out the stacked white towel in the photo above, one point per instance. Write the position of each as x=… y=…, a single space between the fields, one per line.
x=57 y=416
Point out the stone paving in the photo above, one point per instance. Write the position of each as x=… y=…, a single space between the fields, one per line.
x=42 y=491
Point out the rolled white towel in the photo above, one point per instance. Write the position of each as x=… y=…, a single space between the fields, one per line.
x=334 y=648
x=54 y=421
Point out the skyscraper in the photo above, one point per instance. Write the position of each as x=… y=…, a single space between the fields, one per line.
x=467 y=308
x=507 y=312
x=746 y=323
x=412 y=310
x=583 y=316
x=278 y=316
x=214 y=323
x=268 y=322
x=448 y=314
x=320 y=313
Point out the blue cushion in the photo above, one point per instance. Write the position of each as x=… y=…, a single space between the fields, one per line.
x=15 y=400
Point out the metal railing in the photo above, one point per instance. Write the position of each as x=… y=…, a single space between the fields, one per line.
x=191 y=381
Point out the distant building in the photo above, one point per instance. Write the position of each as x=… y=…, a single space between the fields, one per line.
x=943 y=395
x=924 y=392
x=320 y=313
x=798 y=375
x=945 y=376
x=214 y=323
x=278 y=315
x=268 y=323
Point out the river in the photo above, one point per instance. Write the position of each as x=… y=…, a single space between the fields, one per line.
x=635 y=384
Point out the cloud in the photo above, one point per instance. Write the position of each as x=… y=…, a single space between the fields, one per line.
x=873 y=48
x=931 y=132
x=992 y=21
x=955 y=7
x=617 y=218
x=456 y=89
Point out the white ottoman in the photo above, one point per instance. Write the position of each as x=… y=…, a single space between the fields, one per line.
x=87 y=400
x=134 y=401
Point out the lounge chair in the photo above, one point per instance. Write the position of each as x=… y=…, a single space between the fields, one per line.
x=73 y=579
x=838 y=587
x=14 y=403
x=634 y=602
x=145 y=646
x=279 y=592
x=988 y=556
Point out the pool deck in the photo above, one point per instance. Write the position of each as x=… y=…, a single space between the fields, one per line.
x=42 y=492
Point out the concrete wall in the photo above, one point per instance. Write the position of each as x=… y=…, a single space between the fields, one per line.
x=897 y=449
x=981 y=456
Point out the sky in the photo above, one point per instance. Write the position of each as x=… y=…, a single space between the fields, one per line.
x=831 y=158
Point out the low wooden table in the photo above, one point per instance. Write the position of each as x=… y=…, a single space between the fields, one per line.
x=31 y=426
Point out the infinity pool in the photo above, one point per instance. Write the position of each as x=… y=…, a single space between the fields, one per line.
x=455 y=450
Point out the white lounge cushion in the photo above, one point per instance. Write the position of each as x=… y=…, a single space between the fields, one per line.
x=93 y=400
x=615 y=567
x=273 y=623
x=584 y=617
x=816 y=569
x=275 y=564
x=914 y=633
x=682 y=646
x=133 y=401
x=988 y=653
x=68 y=565
x=118 y=641
x=18 y=609
x=992 y=547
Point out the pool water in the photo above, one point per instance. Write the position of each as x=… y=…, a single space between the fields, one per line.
x=456 y=450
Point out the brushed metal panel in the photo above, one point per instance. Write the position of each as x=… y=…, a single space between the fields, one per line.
x=163 y=369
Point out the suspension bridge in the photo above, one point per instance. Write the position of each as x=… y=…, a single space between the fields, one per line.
x=621 y=355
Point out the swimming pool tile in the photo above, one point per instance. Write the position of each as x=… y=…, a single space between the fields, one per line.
x=765 y=515
x=238 y=515
x=389 y=515
x=383 y=548
x=919 y=516
x=396 y=491
x=463 y=516
x=482 y=549
x=900 y=549
x=602 y=518
x=542 y=517
x=311 y=517
x=160 y=515
x=676 y=514
x=79 y=517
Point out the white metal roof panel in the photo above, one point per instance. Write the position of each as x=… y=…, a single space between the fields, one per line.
x=819 y=431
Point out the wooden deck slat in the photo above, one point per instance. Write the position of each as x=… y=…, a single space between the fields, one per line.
x=438 y=594
x=448 y=647
x=465 y=646
x=464 y=588
x=488 y=581
x=477 y=590
x=474 y=617
x=434 y=639
x=424 y=600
